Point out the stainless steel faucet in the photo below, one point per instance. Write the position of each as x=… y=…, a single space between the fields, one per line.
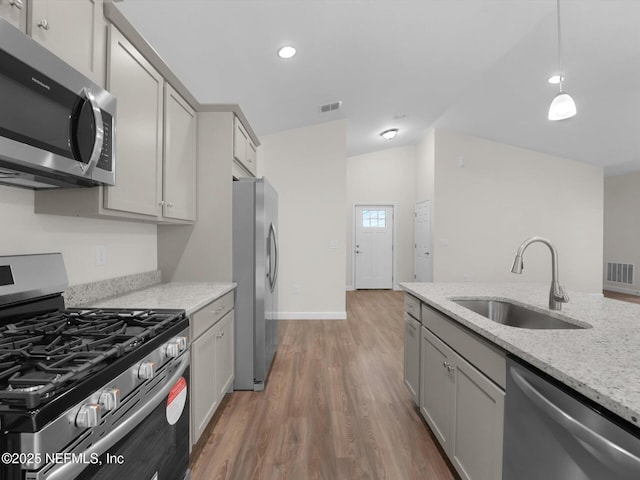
x=557 y=295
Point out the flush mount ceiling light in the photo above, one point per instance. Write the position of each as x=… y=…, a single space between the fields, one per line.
x=562 y=106
x=287 y=51
x=389 y=134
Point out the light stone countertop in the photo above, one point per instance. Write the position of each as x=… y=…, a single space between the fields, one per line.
x=602 y=362
x=190 y=296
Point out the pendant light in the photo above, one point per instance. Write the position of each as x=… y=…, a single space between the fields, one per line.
x=562 y=106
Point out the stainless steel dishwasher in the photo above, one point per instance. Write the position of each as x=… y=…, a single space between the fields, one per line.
x=550 y=433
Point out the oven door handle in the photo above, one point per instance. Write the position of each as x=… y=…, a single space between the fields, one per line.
x=65 y=471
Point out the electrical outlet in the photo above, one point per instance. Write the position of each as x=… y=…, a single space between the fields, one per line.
x=101 y=255
x=333 y=243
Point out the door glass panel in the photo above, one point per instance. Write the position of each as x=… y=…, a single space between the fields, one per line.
x=374 y=219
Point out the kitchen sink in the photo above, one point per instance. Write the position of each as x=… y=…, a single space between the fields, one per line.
x=512 y=315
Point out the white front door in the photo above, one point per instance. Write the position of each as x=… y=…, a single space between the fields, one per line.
x=373 y=247
x=422 y=253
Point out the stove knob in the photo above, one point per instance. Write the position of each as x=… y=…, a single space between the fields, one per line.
x=172 y=349
x=88 y=416
x=175 y=346
x=146 y=370
x=182 y=343
x=109 y=399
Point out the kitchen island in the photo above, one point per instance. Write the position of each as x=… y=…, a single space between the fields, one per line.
x=601 y=362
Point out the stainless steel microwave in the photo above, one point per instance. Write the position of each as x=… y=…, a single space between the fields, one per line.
x=57 y=127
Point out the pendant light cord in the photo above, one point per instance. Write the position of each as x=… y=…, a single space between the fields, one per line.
x=559 y=44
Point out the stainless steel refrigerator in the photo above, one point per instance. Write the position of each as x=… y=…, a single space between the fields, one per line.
x=255 y=269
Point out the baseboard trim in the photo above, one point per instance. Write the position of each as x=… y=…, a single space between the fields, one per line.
x=312 y=315
x=350 y=288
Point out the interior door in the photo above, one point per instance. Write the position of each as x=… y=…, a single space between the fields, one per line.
x=373 y=250
x=423 y=268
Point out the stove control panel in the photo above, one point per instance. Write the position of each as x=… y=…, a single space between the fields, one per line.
x=88 y=416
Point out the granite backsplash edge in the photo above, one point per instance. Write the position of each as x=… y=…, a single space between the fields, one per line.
x=91 y=292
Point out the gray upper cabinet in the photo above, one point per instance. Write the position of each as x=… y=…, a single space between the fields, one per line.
x=244 y=150
x=139 y=89
x=179 y=193
x=15 y=12
x=74 y=30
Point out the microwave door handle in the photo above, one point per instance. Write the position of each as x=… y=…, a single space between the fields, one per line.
x=99 y=138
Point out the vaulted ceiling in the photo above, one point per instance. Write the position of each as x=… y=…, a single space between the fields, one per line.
x=473 y=66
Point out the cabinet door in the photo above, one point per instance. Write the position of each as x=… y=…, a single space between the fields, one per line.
x=204 y=399
x=252 y=160
x=139 y=89
x=14 y=12
x=477 y=424
x=412 y=357
x=179 y=192
x=224 y=355
x=437 y=383
x=74 y=30
x=240 y=139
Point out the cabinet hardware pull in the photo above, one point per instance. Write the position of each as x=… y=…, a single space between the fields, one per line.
x=169 y=204
x=19 y=4
x=43 y=24
x=161 y=203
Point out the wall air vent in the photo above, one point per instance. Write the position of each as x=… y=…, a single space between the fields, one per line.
x=620 y=272
x=330 y=107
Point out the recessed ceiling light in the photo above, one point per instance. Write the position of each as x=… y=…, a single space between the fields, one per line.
x=555 y=79
x=389 y=134
x=287 y=52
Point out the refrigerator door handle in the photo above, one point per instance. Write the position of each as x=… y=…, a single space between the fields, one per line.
x=273 y=274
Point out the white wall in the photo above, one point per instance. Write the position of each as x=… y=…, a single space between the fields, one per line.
x=385 y=177
x=307 y=166
x=131 y=247
x=622 y=226
x=489 y=197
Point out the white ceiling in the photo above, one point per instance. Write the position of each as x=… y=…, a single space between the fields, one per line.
x=473 y=66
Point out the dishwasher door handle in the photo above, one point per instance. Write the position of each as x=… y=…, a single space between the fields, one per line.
x=609 y=452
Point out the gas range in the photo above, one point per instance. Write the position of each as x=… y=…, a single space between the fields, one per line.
x=82 y=382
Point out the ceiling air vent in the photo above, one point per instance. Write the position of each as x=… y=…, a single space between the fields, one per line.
x=330 y=107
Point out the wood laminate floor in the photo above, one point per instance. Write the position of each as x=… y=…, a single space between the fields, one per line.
x=625 y=297
x=335 y=406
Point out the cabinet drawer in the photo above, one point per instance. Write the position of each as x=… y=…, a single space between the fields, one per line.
x=412 y=306
x=477 y=351
x=210 y=314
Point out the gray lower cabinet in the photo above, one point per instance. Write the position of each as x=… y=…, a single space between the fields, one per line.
x=412 y=357
x=462 y=395
x=212 y=367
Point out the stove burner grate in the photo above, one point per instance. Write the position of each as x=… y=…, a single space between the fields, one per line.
x=48 y=353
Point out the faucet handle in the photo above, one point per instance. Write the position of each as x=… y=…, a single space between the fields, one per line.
x=559 y=294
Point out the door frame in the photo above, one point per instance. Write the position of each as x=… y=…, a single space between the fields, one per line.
x=393 y=239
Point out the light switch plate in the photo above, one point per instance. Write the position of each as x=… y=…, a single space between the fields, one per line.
x=101 y=255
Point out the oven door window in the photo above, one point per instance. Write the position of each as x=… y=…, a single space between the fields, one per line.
x=155 y=449
x=40 y=112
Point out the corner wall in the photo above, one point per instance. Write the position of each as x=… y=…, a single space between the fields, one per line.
x=307 y=167
x=489 y=197
x=385 y=177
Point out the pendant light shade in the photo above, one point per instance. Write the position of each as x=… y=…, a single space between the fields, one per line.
x=562 y=107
